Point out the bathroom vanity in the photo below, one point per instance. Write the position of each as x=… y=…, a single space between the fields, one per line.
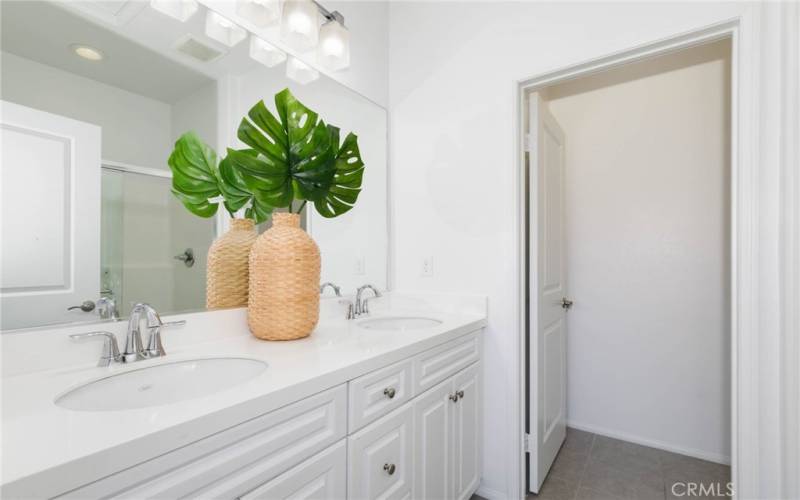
x=386 y=406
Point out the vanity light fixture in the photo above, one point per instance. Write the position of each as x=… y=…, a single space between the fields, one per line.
x=300 y=72
x=181 y=10
x=262 y=13
x=333 y=50
x=300 y=24
x=223 y=30
x=86 y=52
x=265 y=53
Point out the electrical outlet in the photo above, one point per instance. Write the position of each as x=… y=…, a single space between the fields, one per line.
x=427 y=266
x=360 y=267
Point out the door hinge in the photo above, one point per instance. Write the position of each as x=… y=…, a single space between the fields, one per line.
x=530 y=142
x=527 y=443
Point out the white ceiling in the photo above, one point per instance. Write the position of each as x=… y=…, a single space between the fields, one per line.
x=43 y=32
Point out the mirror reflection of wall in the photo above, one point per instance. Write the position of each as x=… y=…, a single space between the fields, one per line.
x=93 y=99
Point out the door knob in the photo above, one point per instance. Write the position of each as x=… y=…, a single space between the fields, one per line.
x=86 y=306
x=187 y=257
x=389 y=468
x=566 y=303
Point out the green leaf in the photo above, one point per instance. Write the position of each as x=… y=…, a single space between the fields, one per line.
x=194 y=175
x=348 y=174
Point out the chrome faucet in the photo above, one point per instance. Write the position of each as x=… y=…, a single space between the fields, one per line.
x=336 y=289
x=362 y=306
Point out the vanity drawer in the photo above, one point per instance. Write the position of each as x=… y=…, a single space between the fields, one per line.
x=236 y=460
x=381 y=458
x=322 y=476
x=435 y=365
x=377 y=393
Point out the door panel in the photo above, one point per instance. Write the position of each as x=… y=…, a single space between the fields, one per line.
x=467 y=432
x=51 y=163
x=433 y=431
x=547 y=321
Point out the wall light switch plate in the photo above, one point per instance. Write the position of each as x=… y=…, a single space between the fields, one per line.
x=360 y=267
x=427 y=266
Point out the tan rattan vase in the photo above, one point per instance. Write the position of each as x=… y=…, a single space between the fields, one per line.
x=228 y=266
x=284 y=281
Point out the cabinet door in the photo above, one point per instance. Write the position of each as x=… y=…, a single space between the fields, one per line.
x=321 y=477
x=433 y=438
x=467 y=432
x=381 y=461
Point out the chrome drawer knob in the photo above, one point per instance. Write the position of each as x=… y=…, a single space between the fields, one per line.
x=453 y=397
x=460 y=394
x=389 y=392
x=389 y=468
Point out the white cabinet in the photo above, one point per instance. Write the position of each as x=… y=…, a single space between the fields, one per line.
x=381 y=458
x=321 y=477
x=447 y=437
x=377 y=393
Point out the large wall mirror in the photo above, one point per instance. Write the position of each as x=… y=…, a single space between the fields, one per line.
x=94 y=95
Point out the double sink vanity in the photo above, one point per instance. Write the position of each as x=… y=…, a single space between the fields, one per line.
x=387 y=405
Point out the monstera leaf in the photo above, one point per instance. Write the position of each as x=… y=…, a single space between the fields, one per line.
x=295 y=158
x=194 y=175
x=349 y=171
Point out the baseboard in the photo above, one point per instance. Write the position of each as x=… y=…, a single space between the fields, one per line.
x=711 y=457
x=490 y=494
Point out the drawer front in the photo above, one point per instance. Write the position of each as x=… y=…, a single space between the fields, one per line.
x=323 y=476
x=376 y=394
x=236 y=460
x=380 y=458
x=437 y=364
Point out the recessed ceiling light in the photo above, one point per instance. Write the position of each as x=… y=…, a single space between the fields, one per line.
x=87 y=52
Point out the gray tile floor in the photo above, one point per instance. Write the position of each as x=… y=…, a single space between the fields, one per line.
x=592 y=467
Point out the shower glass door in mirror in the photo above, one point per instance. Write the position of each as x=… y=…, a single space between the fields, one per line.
x=93 y=101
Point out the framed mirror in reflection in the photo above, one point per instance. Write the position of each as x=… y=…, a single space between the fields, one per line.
x=91 y=109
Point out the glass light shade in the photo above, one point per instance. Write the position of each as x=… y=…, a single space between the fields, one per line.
x=265 y=53
x=333 y=50
x=260 y=12
x=181 y=10
x=300 y=24
x=300 y=72
x=223 y=30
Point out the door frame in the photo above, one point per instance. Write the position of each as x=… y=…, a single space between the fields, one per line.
x=745 y=196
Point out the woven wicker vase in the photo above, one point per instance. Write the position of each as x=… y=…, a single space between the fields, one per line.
x=284 y=281
x=228 y=266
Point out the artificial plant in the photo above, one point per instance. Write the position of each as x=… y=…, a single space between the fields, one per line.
x=292 y=157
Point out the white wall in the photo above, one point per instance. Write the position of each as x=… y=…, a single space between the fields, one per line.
x=453 y=69
x=136 y=129
x=648 y=260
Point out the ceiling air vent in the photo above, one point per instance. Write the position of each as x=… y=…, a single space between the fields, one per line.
x=196 y=49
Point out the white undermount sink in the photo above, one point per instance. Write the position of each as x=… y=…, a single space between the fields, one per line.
x=399 y=323
x=161 y=384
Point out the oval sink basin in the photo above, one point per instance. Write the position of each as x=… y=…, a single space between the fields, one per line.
x=399 y=323
x=161 y=384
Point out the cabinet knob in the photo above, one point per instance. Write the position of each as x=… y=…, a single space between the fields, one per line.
x=389 y=468
x=453 y=397
x=460 y=394
x=389 y=392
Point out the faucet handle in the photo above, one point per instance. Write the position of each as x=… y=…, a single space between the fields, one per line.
x=155 y=347
x=350 y=309
x=110 y=346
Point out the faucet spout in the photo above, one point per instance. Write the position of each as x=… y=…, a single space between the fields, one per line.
x=361 y=305
x=134 y=350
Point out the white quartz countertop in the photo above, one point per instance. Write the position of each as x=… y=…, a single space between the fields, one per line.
x=49 y=450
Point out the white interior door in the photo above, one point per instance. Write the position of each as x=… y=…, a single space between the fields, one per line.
x=50 y=176
x=547 y=280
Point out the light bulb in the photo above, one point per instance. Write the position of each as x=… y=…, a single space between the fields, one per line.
x=223 y=29
x=265 y=53
x=262 y=13
x=334 y=46
x=181 y=10
x=300 y=72
x=300 y=24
